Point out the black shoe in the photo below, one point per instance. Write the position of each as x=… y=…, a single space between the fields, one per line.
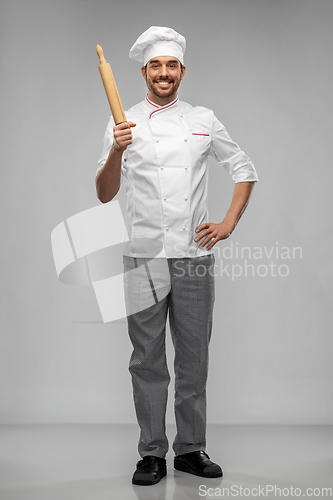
x=149 y=470
x=197 y=463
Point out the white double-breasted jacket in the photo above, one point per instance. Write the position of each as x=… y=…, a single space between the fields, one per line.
x=164 y=172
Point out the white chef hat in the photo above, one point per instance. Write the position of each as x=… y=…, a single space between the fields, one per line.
x=158 y=41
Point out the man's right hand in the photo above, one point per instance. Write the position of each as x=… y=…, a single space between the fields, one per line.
x=122 y=135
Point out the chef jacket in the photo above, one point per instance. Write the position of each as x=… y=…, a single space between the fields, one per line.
x=165 y=174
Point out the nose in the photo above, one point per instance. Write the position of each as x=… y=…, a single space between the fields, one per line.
x=164 y=70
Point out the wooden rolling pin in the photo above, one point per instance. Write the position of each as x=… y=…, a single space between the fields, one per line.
x=110 y=88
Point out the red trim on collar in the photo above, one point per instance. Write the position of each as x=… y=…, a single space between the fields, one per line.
x=152 y=103
x=160 y=108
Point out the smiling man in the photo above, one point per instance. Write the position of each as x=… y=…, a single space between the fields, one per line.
x=160 y=155
x=163 y=76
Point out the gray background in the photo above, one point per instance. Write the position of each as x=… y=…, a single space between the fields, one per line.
x=265 y=67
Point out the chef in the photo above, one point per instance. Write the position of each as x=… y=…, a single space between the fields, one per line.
x=160 y=155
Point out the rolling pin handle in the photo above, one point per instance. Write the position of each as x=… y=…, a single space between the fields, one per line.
x=100 y=54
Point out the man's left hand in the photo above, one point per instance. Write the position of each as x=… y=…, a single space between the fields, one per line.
x=212 y=233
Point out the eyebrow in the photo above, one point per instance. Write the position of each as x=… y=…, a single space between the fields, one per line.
x=173 y=61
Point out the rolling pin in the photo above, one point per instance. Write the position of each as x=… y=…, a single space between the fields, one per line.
x=110 y=88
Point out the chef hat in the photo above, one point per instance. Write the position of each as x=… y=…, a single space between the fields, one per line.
x=158 y=41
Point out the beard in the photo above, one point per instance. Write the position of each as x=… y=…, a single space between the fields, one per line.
x=160 y=92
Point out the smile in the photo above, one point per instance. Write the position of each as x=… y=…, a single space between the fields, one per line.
x=163 y=84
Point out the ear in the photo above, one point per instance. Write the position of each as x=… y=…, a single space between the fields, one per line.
x=182 y=74
x=143 y=73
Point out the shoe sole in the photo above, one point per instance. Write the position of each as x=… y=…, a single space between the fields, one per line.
x=182 y=466
x=142 y=481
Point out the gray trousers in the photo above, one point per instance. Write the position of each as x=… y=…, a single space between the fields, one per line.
x=189 y=299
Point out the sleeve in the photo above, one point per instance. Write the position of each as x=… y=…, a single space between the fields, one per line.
x=107 y=143
x=229 y=155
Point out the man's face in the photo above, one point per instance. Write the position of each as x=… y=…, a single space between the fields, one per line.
x=163 y=76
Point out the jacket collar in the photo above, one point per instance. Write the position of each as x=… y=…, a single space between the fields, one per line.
x=155 y=108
